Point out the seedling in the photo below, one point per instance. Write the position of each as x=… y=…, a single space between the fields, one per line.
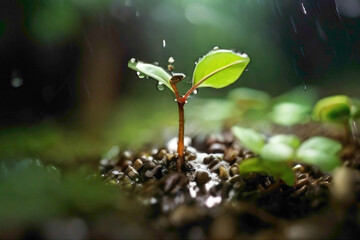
x=276 y=155
x=217 y=69
x=338 y=109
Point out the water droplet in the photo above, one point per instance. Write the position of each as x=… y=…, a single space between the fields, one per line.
x=216 y=48
x=156 y=63
x=186 y=101
x=133 y=60
x=246 y=70
x=140 y=75
x=244 y=55
x=293 y=24
x=195 y=91
x=160 y=86
x=303 y=9
x=175 y=100
x=16 y=80
x=171 y=60
x=164 y=43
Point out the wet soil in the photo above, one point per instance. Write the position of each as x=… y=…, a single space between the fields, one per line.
x=212 y=201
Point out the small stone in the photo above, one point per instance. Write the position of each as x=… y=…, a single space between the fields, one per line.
x=208 y=159
x=202 y=177
x=217 y=148
x=137 y=164
x=126 y=164
x=132 y=173
x=213 y=163
x=190 y=157
x=234 y=170
x=160 y=154
x=223 y=173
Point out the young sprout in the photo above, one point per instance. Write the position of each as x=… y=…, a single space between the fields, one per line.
x=217 y=69
x=276 y=155
x=338 y=109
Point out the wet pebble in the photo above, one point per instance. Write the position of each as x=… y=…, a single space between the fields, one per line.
x=174 y=182
x=217 y=148
x=223 y=173
x=202 y=177
x=137 y=164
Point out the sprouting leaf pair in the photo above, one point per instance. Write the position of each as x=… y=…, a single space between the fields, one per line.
x=275 y=155
x=218 y=69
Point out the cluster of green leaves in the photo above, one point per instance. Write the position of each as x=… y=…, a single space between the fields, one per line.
x=277 y=153
x=217 y=69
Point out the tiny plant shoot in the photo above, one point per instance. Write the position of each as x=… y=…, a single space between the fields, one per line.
x=217 y=69
x=338 y=109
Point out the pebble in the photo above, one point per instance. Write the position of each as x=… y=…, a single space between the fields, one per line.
x=217 y=148
x=202 y=177
x=223 y=173
x=234 y=170
x=174 y=182
x=137 y=164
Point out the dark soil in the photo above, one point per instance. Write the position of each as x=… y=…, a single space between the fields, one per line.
x=212 y=201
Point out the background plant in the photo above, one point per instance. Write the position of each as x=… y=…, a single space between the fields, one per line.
x=276 y=155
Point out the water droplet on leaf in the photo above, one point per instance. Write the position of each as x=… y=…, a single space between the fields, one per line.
x=133 y=60
x=140 y=75
x=171 y=60
x=160 y=86
x=215 y=48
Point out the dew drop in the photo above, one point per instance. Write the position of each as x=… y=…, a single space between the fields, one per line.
x=133 y=60
x=195 y=91
x=160 y=86
x=140 y=75
x=16 y=80
x=164 y=43
x=244 y=55
x=216 y=48
x=171 y=60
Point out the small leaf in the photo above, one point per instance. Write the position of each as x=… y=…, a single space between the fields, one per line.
x=288 y=139
x=288 y=114
x=277 y=152
x=219 y=68
x=322 y=144
x=333 y=109
x=152 y=71
x=279 y=170
x=249 y=138
x=326 y=161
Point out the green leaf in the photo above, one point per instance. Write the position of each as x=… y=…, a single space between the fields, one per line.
x=249 y=138
x=288 y=114
x=355 y=108
x=333 y=109
x=152 y=71
x=288 y=139
x=219 y=68
x=278 y=170
x=322 y=144
x=326 y=161
x=277 y=152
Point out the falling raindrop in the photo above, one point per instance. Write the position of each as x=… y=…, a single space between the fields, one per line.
x=164 y=43
x=133 y=60
x=16 y=79
x=171 y=60
x=195 y=91
x=305 y=87
x=160 y=86
x=216 y=48
x=246 y=70
x=293 y=25
x=137 y=14
x=140 y=75
x=302 y=51
x=303 y=9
